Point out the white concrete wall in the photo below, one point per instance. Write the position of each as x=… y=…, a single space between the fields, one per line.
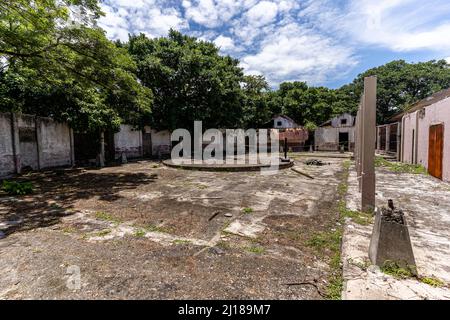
x=336 y=121
x=438 y=113
x=285 y=123
x=6 y=145
x=160 y=139
x=409 y=124
x=327 y=138
x=45 y=146
x=54 y=143
x=128 y=141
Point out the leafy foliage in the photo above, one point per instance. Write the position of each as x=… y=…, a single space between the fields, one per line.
x=190 y=81
x=56 y=62
x=17 y=188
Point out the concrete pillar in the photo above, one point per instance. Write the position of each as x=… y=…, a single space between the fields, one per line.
x=101 y=156
x=388 y=137
x=72 y=148
x=399 y=139
x=378 y=138
x=15 y=143
x=37 y=124
x=368 y=144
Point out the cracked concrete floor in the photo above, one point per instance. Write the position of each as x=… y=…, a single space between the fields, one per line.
x=145 y=231
x=424 y=200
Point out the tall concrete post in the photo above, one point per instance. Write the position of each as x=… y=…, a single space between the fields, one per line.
x=101 y=158
x=368 y=144
x=388 y=138
x=378 y=138
x=399 y=138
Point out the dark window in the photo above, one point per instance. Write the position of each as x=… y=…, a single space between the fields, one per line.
x=27 y=135
x=279 y=123
x=343 y=122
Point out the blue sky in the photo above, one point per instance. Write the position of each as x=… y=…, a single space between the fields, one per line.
x=322 y=42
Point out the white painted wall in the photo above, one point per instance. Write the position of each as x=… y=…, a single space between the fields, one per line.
x=285 y=123
x=6 y=147
x=128 y=141
x=54 y=143
x=160 y=139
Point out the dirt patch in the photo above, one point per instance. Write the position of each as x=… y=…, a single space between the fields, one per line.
x=144 y=232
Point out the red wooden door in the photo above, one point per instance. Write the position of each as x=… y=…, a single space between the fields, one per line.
x=436 y=150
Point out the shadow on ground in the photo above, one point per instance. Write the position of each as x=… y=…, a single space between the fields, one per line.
x=40 y=210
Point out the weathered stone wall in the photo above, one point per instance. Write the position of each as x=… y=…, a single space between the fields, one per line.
x=128 y=141
x=54 y=143
x=160 y=140
x=33 y=142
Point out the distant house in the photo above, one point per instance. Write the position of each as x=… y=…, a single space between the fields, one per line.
x=425 y=134
x=335 y=134
x=288 y=129
x=283 y=122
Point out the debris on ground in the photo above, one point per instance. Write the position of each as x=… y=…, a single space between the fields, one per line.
x=315 y=162
x=302 y=173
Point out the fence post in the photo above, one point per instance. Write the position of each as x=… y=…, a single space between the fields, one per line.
x=368 y=144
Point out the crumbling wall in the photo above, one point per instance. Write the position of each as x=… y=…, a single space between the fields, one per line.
x=32 y=142
x=28 y=142
x=6 y=145
x=128 y=141
x=326 y=139
x=160 y=141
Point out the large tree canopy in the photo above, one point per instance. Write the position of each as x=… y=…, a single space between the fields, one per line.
x=190 y=81
x=57 y=62
x=400 y=84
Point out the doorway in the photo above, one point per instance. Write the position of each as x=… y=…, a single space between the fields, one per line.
x=344 y=141
x=436 y=150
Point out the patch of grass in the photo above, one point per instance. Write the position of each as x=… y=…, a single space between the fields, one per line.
x=247 y=210
x=256 y=249
x=155 y=166
x=68 y=230
x=103 y=233
x=155 y=228
x=363 y=265
x=179 y=241
x=223 y=245
x=106 y=217
x=17 y=188
x=139 y=233
x=394 y=269
x=334 y=288
x=400 y=167
x=326 y=241
x=202 y=186
x=432 y=281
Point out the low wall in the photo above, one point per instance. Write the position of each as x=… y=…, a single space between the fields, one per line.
x=128 y=141
x=30 y=142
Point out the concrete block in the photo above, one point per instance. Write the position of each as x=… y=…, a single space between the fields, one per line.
x=391 y=242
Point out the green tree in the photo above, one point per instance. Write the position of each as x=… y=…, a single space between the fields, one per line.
x=190 y=81
x=57 y=62
x=400 y=84
x=256 y=110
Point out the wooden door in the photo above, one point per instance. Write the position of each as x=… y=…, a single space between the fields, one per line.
x=436 y=150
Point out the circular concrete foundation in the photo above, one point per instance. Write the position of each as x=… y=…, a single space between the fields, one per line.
x=227 y=167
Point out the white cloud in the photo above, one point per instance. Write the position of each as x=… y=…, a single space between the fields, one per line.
x=226 y=44
x=447 y=59
x=311 y=40
x=261 y=14
x=296 y=53
x=146 y=16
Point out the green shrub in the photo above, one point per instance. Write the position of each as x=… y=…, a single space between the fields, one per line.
x=17 y=188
